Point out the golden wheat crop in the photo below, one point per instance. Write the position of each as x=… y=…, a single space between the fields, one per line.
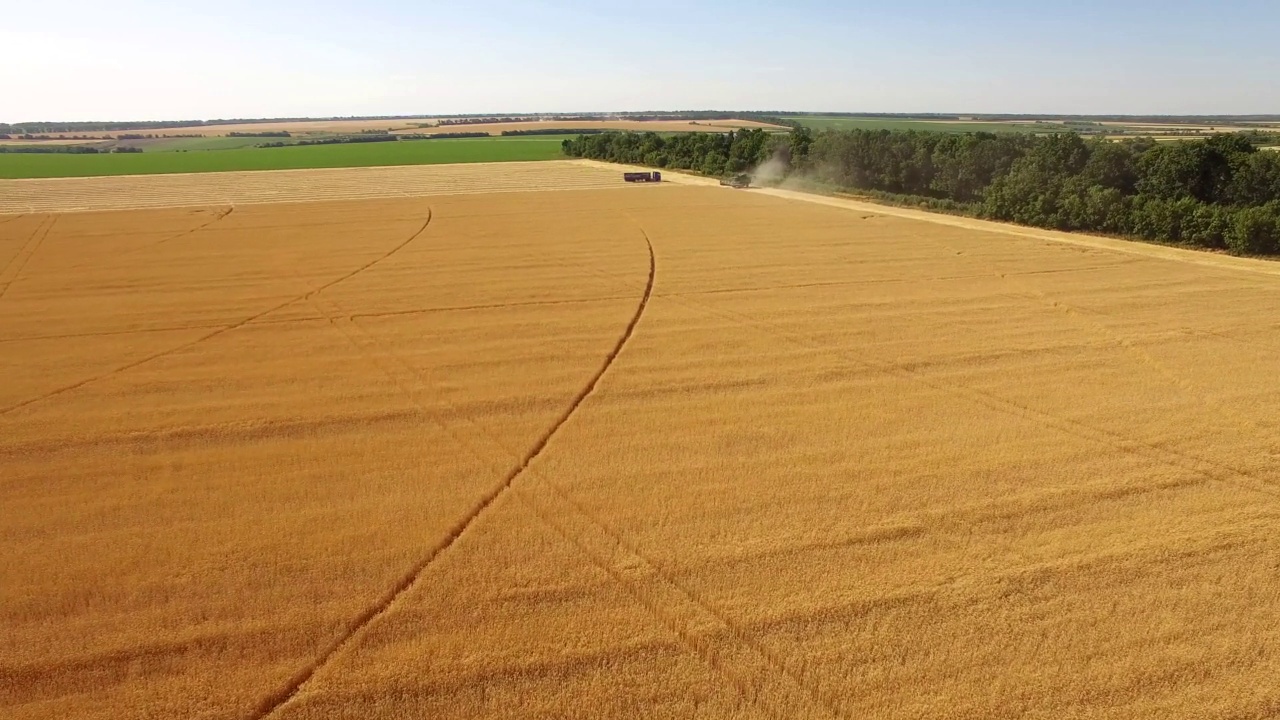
x=665 y=451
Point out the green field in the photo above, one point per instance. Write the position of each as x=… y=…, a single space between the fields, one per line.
x=823 y=122
x=198 y=143
x=405 y=152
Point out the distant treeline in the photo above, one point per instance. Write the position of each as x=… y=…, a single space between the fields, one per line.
x=49 y=149
x=30 y=136
x=346 y=139
x=488 y=120
x=553 y=131
x=442 y=136
x=64 y=150
x=266 y=134
x=708 y=116
x=150 y=136
x=1221 y=192
x=342 y=140
x=369 y=138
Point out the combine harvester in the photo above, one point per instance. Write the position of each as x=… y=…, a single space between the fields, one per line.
x=645 y=177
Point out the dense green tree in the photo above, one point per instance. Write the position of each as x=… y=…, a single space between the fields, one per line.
x=1208 y=226
x=1216 y=193
x=1201 y=170
x=1254 y=180
x=1255 y=230
x=1112 y=165
x=798 y=143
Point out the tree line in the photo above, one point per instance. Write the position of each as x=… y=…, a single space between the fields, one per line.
x=707 y=153
x=364 y=137
x=1222 y=192
x=553 y=131
x=340 y=140
x=442 y=136
x=65 y=150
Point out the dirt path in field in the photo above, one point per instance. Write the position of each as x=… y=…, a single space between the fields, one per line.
x=1132 y=247
x=264 y=187
x=19 y=261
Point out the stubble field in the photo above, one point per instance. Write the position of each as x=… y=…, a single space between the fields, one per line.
x=601 y=451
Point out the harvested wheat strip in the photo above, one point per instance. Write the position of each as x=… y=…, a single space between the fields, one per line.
x=281 y=186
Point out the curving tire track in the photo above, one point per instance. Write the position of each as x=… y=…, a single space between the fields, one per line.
x=25 y=244
x=290 y=689
x=216 y=332
x=217 y=217
x=29 y=248
x=760 y=677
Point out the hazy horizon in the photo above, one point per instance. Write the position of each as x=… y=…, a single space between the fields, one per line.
x=147 y=60
x=620 y=113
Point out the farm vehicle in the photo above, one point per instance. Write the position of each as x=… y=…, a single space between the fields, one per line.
x=654 y=176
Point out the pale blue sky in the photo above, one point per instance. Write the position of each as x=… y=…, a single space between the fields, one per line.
x=148 y=59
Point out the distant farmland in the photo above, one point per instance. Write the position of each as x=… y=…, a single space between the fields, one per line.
x=1168 y=130
x=404 y=152
x=419 y=125
x=825 y=122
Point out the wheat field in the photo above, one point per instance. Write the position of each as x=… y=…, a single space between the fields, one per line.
x=614 y=452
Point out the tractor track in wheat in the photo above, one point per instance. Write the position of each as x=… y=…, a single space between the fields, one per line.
x=758 y=676
x=283 y=695
x=24 y=255
x=213 y=334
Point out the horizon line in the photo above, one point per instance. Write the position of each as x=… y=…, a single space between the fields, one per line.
x=623 y=113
